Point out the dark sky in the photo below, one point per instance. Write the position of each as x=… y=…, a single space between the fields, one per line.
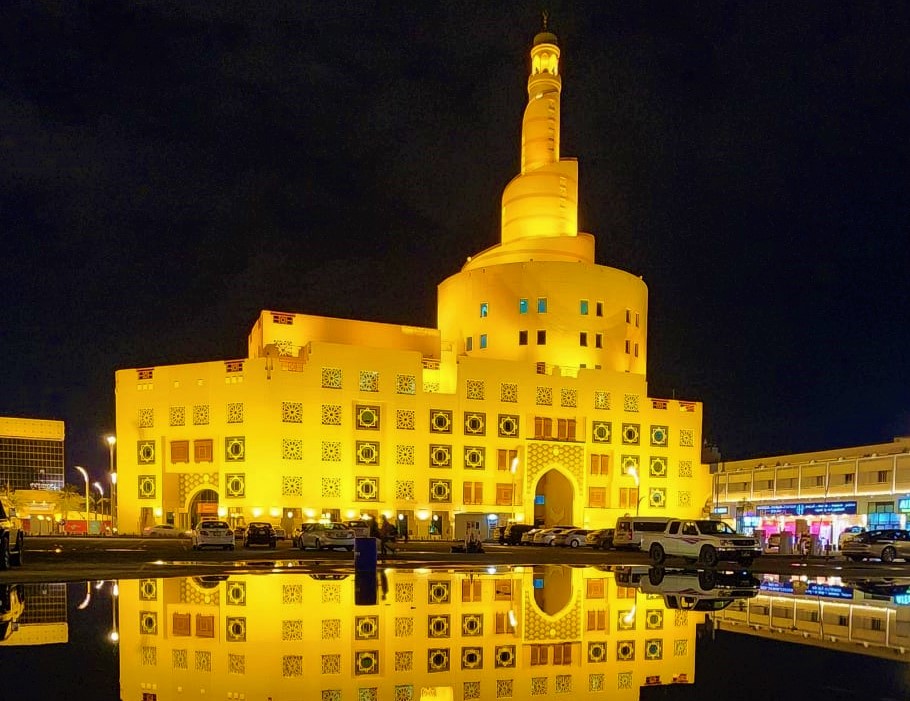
x=168 y=169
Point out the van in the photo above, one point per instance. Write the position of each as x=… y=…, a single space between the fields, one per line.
x=627 y=534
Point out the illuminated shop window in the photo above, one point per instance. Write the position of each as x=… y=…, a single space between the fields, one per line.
x=584 y=307
x=522 y=338
x=541 y=305
x=483 y=342
x=484 y=309
x=522 y=306
x=541 y=338
x=469 y=343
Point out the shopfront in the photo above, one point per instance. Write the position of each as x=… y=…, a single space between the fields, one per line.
x=823 y=520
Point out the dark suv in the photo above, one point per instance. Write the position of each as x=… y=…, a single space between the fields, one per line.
x=12 y=540
x=260 y=533
x=514 y=531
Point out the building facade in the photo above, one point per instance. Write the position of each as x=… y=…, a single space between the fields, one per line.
x=820 y=494
x=529 y=401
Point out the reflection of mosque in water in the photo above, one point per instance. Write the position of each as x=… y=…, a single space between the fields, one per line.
x=400 y=635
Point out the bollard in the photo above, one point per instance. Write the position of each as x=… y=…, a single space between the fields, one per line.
x=365 y=555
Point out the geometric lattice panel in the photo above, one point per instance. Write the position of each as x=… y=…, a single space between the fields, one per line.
x=543 y=456
x=539 y=627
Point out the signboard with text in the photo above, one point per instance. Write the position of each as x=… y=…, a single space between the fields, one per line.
x=819 y=508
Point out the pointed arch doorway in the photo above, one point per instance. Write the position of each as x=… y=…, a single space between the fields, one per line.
x=554 y=500
x=204 y=504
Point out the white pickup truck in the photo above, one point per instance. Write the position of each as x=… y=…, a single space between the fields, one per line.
x=700 y=540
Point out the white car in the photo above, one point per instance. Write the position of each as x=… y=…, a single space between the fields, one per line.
x=700 y=540
x=215 y=534
x=162 y=530
x=328 y=536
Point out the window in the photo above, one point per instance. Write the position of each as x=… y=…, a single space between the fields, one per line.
x=503 y=625
x=628 y=316
x=597 y=620
x=628 y=347
x=600 y=464
x=522 y=306
x=628 y=497
x=562 y=653
x=565 y=429
x=541 y=305
x=597 y=497
x=540 y=654
x=884 y=476
x=504 y=495
x=598 y=340
x=541 y=338
x=637 y=319
x=473 y=492
x=594 y=589
x=600 y=309
x=205 y=626
x=202 y=450
x=180 y=451
x=584 y=307
x=544 y=425
x=506 y=458
x=583 y=339
x=502 y=590
x=470 y=590
x=522 y=338
x=483 y=342
x=636 y=350
x=469 y=343
x=484 y=309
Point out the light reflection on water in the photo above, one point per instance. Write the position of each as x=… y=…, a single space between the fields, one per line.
x=518 y=633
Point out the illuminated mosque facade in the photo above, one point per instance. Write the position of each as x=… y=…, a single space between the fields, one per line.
x=528 y=402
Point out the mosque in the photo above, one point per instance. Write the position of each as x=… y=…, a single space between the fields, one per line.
x=527 y=403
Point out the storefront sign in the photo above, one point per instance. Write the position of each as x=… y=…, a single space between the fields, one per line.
x=818 y=508
x=903 y=505
x=720 y=510
x=829 y=591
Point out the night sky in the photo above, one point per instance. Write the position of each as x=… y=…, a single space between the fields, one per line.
x=168 y=169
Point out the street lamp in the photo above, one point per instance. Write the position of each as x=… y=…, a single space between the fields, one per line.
x=513 y=468
x=97 y=485
x=111 y=442
x=84 y=474
x=632 y=471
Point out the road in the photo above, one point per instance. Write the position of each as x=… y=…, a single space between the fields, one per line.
x=61 y=559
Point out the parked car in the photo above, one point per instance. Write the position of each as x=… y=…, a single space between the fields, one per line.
x=260 y=533
x=12 y=604
x=886 y=545
x=527 y=538
x=215 y=534
x=848 y=534
x=326 y=536
x=360 y=527
x=162 y=530
x=280 y=533
x=571 y=538
x=545 y=536
x=12 y=539
x=772 y=545
x=239 y=533
x=629 y=530
x=602 y=538
x=515 y=531
x=700 y=540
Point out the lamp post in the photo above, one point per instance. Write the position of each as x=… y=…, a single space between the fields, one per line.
x=97 y=485
x=632 y=471
x=111 y=442
x=513 y=468
x=84 y=474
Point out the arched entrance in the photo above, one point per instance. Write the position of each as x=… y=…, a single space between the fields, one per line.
x=204 y=504
x=554 y=500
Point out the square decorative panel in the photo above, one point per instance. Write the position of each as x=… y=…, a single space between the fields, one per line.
x=331 y=451
x=404 y=627
x=145 y=452
x=508 y=425
x=331 y=414
x=440 y=456
x=331 y=378
x=472 y=625
x=503 y=688
x=235 y=485
x=538 y=686
x=597 y=651
x=366 y=488
x=684 y=498
x=631 y=434
x=625 y=650
x=406 y=384
x=568 y=397
x=654 y=649
x=404 y=661
x=438 y=659
x=292 y=449
x=331 y=664
x=331 y=629
x=234 y=448
x=563 y=684
x=235 y=593
x=404 y=692
x=472 y=658
x=203 y=661
x=405 y=419
x=235 y=629
x=681 y=647
x=630 y=402
x=200 y=414
x=680 y=618
x=366 y=627
x=625 y=620
x=657 y=497
x=148 y=623
x=235 y=412
x=180 y=659
x=404 y=454
x=292 y=630
x=331 y=594
x=366 y=417
x=369 y=381
x=147 y=487
x=236 y=664
x=148 y=590
x=404 y=490
x=404 y=592
x=474 y=457
x=657 y=466
x=508 y=392
x=474 y=389
x=439 y=592
x=148 y=656
x=441 y=491
x=624 y=680
x=438 y=625
x=685 y=468
x=331 y=487
x=366 y=452
x=629 y=463
x=146 y=417
x=601 y=399
x=687 y=438
x=431 y=387
x=596 y=682
x=601 y=431
x=291 y=594
x=177 y=416
x=504 y=656
x=292 y=412
x=475 y=423
x=292 y=485
x=659 y=436
x=330 y=695
x=471 y=690
x=291 y=666
x=440 y=421
x=544 y=396
x=654 y=619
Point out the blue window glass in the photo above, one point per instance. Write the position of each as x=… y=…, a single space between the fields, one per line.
x=538 y=582
x=469 y=343
x=522 y=306
x=541 y=305
x=483 y=340
x=584 y=307
x=484 y=309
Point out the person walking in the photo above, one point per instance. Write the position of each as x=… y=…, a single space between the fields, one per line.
x=387 y=535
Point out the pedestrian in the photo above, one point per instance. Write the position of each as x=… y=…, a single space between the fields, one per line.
x=387 y=535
